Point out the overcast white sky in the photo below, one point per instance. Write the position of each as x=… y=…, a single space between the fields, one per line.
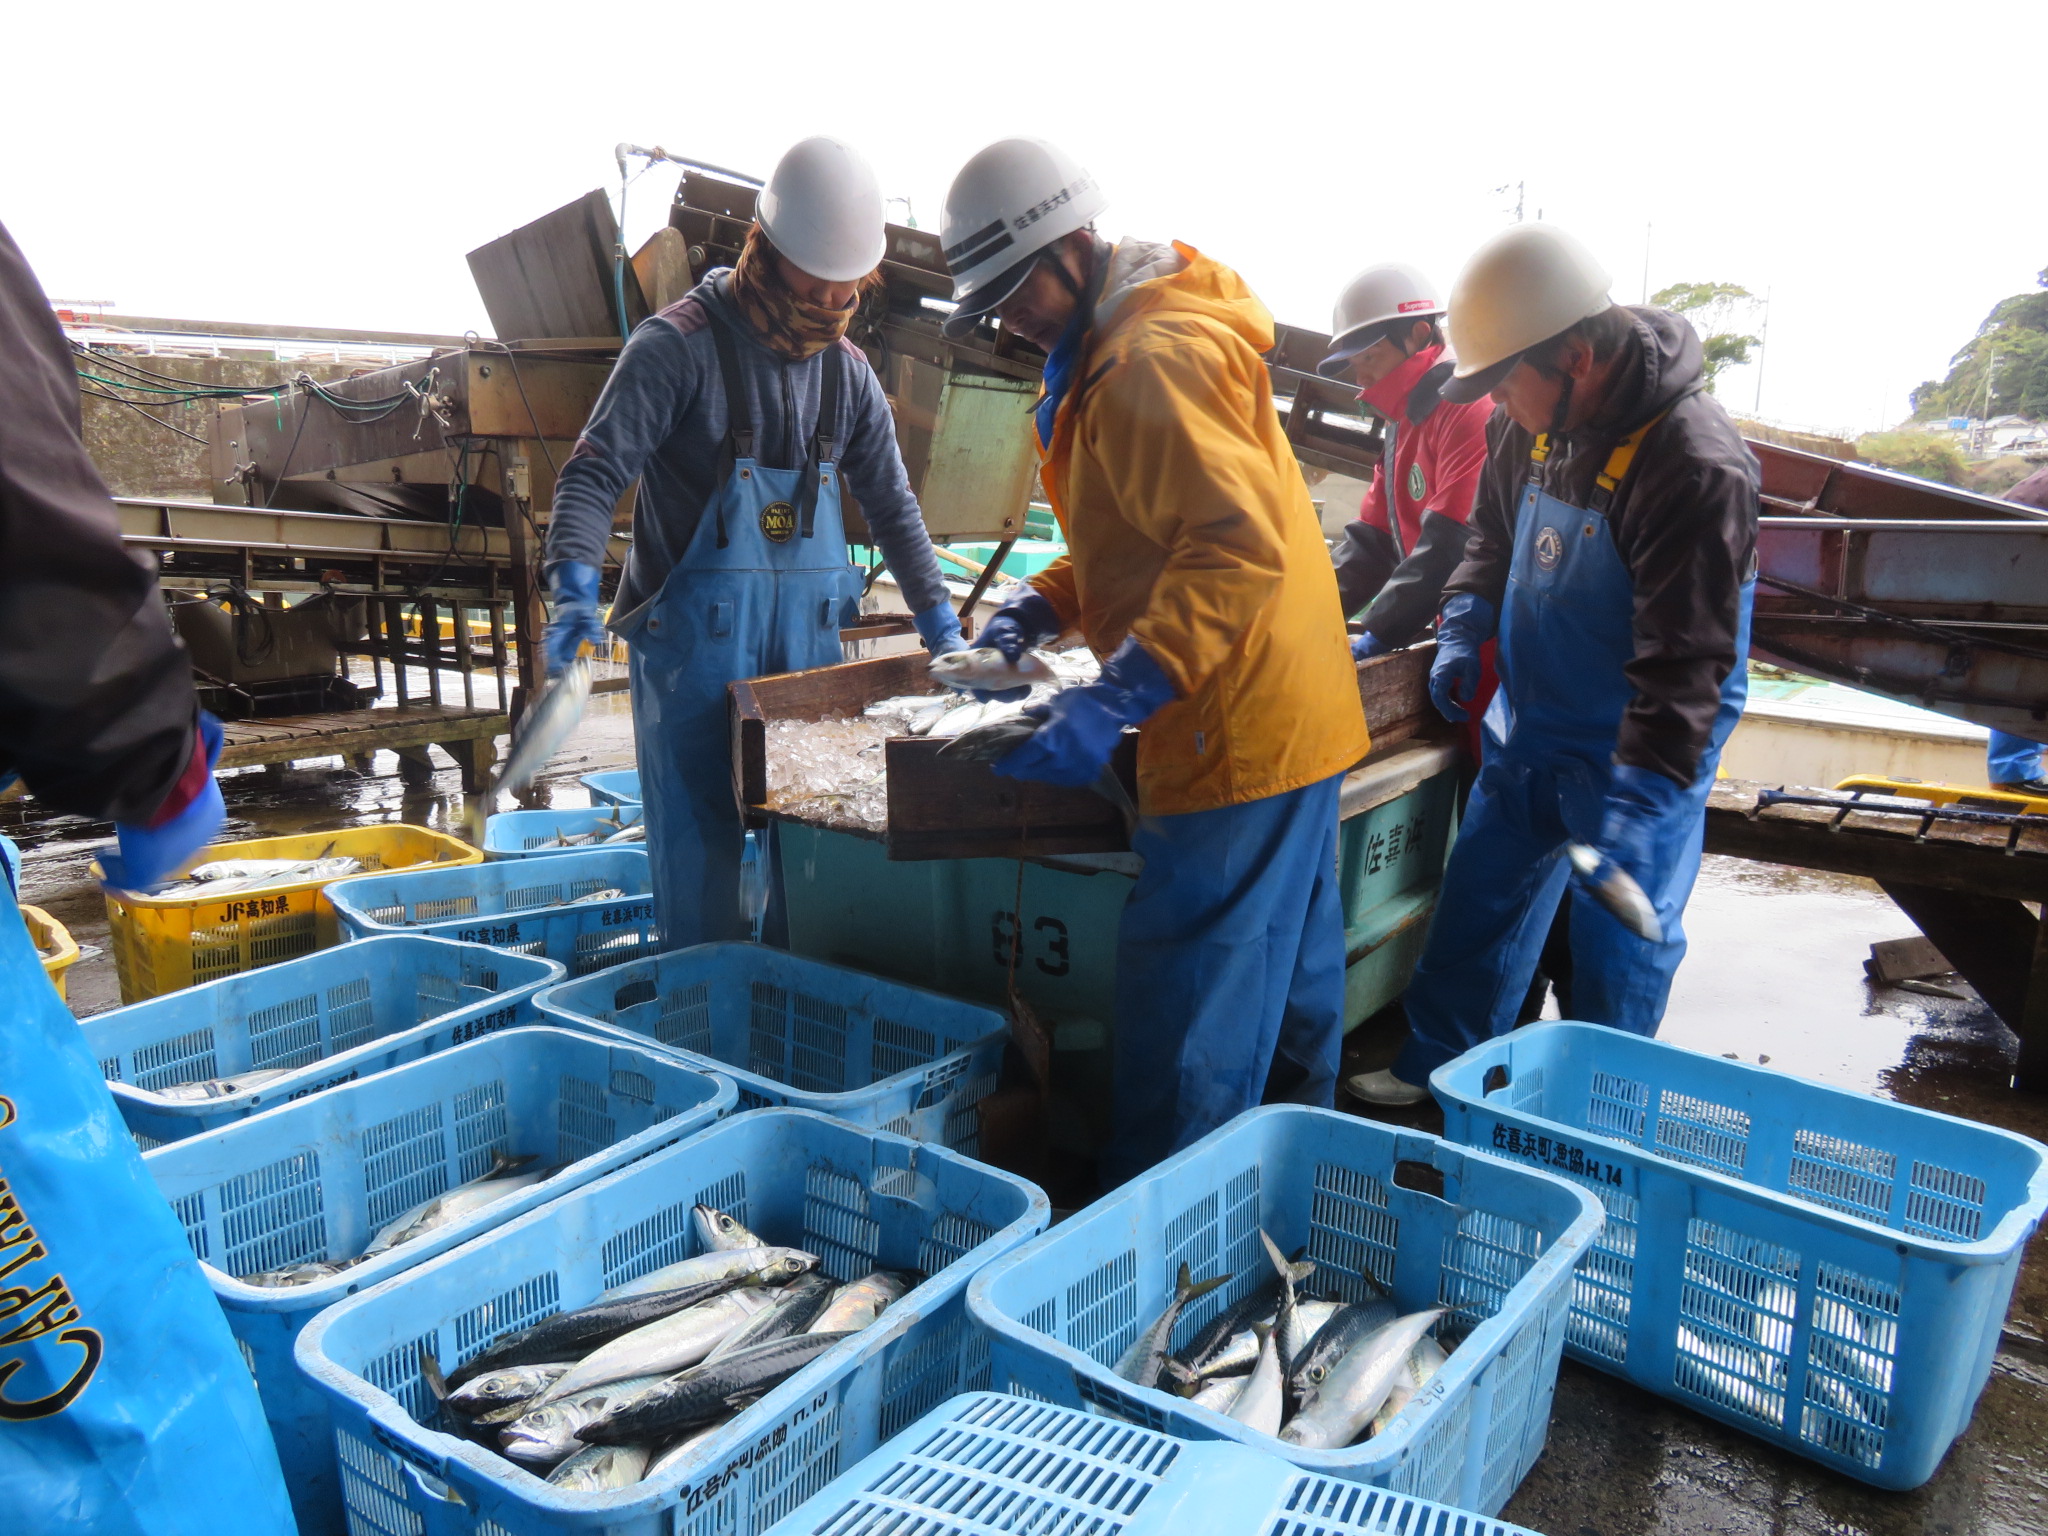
x=1875 y=167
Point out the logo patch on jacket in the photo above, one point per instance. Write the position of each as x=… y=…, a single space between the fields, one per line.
x=1549 y=548
x=1417 y=486
x=778 y=522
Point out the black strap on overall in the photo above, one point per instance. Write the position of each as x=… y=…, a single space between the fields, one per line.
x=739 y=425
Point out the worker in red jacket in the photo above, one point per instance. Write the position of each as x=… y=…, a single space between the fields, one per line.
x=1410 y=532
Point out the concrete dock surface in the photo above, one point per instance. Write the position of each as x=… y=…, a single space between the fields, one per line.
x=1775 y=974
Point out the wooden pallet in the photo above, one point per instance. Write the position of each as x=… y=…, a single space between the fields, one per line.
x=467 y=735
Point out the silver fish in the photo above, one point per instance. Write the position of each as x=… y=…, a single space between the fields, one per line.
x=1220 y=1395
x=1335 y=1339
x=692 y=1398
x=311 y=1272
x=1338 y=1409
x=547 y=1431
x=231 y=875
x=794 y=1308
x=987 y=667
x=219 y=1087
x=547 y=723
x=669 y=1344
x=601 y=1469
x=720 y=1233
x=1146 y=1357
x=1617 y=891
x=502 y=1179
x=636 y=833
x=988 y=740
x=1289 y=1334
x=765 y=1265
x=1417 y=1367
x=1233 y=1359
x=1259 y=1405
x=857 y=1305
x=496 y=1390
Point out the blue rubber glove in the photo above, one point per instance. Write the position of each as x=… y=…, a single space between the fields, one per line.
x=1082 y=725
x=1368 y=645
x=940 y=628
x=1642 y=806
x=145 y=857
x=1643 y=810
x=576 y=617
x=1466 y=624
x=1024 y=621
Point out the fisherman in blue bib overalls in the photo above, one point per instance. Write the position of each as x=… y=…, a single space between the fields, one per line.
x=1613 y=556
x=740 y=409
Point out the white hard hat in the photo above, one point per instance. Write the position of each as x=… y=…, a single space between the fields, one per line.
x=823 y=210
x=1389 y=292
x=1008 y=203
x=1527 y=284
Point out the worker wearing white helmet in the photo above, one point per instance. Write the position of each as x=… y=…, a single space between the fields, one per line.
x=1410 y=528
x=1198 y=574
x=1613 y=556
x=741 y=410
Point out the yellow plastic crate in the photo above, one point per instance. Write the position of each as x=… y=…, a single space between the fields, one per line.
x=53 y=942
x=163 y=943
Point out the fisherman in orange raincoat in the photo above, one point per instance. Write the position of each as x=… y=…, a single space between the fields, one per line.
x=1198 y=574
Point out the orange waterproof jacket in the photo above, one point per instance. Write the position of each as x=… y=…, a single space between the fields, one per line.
x=1188 y=525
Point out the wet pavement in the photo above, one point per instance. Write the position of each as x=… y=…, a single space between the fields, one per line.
x=1775 y=974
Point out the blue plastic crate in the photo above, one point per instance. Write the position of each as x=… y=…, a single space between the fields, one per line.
x=615 y=786
x=990 y=1465
x=326 y=1018
x=1436 y=1224
x=856 y=1198
x=531 y=834
x=319 y=1178
x=1831 y=1270
x=539 y=906
x=801 y=1032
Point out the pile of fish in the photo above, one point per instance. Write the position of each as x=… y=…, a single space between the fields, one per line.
x=609 y=829
x=506 y=1175
x=623 y=1389
x=1318 y=1373
x=228 y=876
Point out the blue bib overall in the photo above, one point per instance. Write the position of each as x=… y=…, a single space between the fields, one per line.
x=125 y=1405
x=761 y=589
x=1567 y=630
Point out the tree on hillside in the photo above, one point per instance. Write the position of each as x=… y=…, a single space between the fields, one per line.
x=1715 y=310
x=1926 y=454
x=2003 y=371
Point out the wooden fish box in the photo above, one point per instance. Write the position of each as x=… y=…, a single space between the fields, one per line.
x=939 y=809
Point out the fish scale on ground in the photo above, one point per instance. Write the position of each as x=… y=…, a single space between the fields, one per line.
x=624 y=1388
x=1317 y=1372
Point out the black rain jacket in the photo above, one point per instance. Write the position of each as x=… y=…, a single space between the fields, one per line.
x=1684 y=523
x=96 y=701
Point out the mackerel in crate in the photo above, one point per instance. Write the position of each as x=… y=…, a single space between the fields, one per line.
x=279 y=1206
x=207 y=1056
x=588 y=908
x=800 y=1032
x=1826 y=1270
x=1375 y=1208
x=860 y=1200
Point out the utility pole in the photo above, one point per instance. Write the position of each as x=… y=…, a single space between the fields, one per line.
x=1763 y=350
